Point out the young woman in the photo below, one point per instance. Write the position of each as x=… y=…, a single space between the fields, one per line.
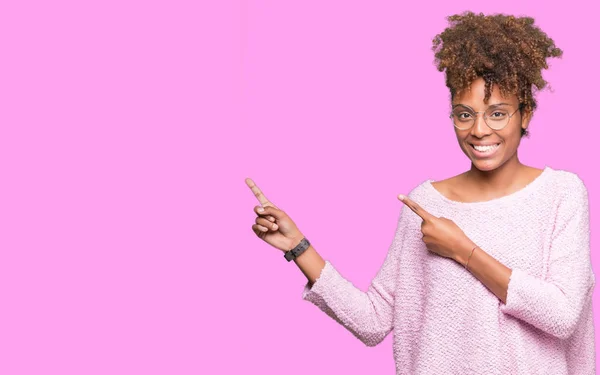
x=489 y=271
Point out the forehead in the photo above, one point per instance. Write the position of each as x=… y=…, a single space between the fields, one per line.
x=476 y=95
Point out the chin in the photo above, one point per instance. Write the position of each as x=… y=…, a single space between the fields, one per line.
x=485 y=166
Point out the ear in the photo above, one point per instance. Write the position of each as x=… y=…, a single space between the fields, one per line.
x=526 y=118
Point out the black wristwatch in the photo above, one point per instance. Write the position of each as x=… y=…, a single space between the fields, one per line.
x=296 y=251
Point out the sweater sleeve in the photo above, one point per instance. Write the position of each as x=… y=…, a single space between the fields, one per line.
x=555 y=303
x=367 y=315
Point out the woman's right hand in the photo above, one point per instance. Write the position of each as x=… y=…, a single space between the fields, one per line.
x=273 y=225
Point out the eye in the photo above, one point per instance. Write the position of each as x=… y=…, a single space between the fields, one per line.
x=498 y=114
x=463 y=115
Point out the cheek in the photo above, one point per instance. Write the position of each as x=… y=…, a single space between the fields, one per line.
x=512 y=140
x=462 y=143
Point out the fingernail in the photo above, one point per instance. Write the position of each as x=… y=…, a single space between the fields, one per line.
x=401 y=197
x=260 y=209
x=274 y=226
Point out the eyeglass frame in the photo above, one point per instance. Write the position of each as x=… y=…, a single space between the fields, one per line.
x=484 y=118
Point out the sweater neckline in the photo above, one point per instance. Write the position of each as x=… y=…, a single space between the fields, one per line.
x=524 y=191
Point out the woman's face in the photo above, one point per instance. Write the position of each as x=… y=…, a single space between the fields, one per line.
x=506 y=139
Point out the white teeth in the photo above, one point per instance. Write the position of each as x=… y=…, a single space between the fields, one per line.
x=485 y=148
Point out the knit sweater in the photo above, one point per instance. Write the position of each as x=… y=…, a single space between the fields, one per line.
x=446 y=321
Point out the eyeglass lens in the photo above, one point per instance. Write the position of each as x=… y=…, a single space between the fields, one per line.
x=496 y=118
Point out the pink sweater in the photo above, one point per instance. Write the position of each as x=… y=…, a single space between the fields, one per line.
x=445 y=321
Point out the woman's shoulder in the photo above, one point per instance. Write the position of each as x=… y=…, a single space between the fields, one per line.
x=545 y=183
x=453 y=186
x=569 y=185
x=567 y=178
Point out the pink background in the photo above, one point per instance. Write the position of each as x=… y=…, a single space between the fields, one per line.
x=128 y=128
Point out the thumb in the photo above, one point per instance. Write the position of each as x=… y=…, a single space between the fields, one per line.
x=269 y=204
x=270 y=210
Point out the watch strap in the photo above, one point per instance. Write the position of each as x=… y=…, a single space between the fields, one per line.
x=296 y=251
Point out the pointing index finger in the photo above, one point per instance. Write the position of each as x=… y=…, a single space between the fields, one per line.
x=416 y=208
x=258 y=193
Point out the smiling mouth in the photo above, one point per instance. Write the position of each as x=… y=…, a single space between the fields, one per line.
x=485 y=149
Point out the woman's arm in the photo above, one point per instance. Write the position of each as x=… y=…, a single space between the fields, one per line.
x=493 y=274
x=555 y=303
x=367 y=315
x=310 y=263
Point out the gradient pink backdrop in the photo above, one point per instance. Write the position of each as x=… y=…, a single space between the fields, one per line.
x=128 y=128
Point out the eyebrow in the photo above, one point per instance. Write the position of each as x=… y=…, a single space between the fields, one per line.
x=490 y=106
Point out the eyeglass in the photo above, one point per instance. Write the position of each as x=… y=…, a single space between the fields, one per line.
x=463 y=118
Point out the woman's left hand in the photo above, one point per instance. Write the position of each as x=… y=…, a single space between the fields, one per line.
x=441 y=236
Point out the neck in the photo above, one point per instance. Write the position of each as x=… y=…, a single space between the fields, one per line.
x=499 y=179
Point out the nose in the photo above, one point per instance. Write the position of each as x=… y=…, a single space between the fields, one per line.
x=480 y=129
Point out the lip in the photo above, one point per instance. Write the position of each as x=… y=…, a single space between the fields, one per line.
x=485 y=155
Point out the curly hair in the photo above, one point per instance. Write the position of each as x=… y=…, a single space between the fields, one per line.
x=502 y=49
